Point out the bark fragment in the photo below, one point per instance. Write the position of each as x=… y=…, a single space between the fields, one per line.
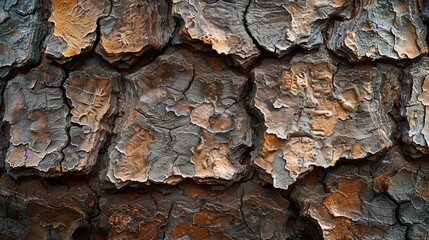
x=387 y=199
x=219 y=24
x=133 y=28
x=315 y=112
x=92 y=92
x=282 y=25
x=346 y=206
x=189 y=115
x=75 y=24
x=22 y=25
x=415 y=106
x=45 y=138
x=37 y=115
x=407 y=185
x=380 y=29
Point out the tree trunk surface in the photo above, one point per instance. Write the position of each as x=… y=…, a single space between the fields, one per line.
x=214 y=119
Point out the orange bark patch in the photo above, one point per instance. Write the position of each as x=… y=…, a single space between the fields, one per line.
x=192 y=231
x=345 y=202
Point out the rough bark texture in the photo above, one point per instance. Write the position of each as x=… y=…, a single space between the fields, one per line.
x=219 y=24
x=415 y=106
x=375 y=200
x=214 y=119
x=92 y=94
x=23 y=26
x=380 y=29
x=281 y=25
x=187 y=114
x=37 y=115
x=74 y=26
x=316 y=112
x=132 y=28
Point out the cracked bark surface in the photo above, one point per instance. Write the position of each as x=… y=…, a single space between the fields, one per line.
x=416 y=82
x=74 y=26
x=92 y=93
x=316 y=112
x=23 y=26
x=219 y=24
x=214 y=119
x=380 y=29
x=375 y=200
x=280 y=26
x=244 y=210
x=38 y=117
x=133 y=28
x=188 y=115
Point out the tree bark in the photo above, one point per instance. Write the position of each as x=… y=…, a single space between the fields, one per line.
x=214 y=119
